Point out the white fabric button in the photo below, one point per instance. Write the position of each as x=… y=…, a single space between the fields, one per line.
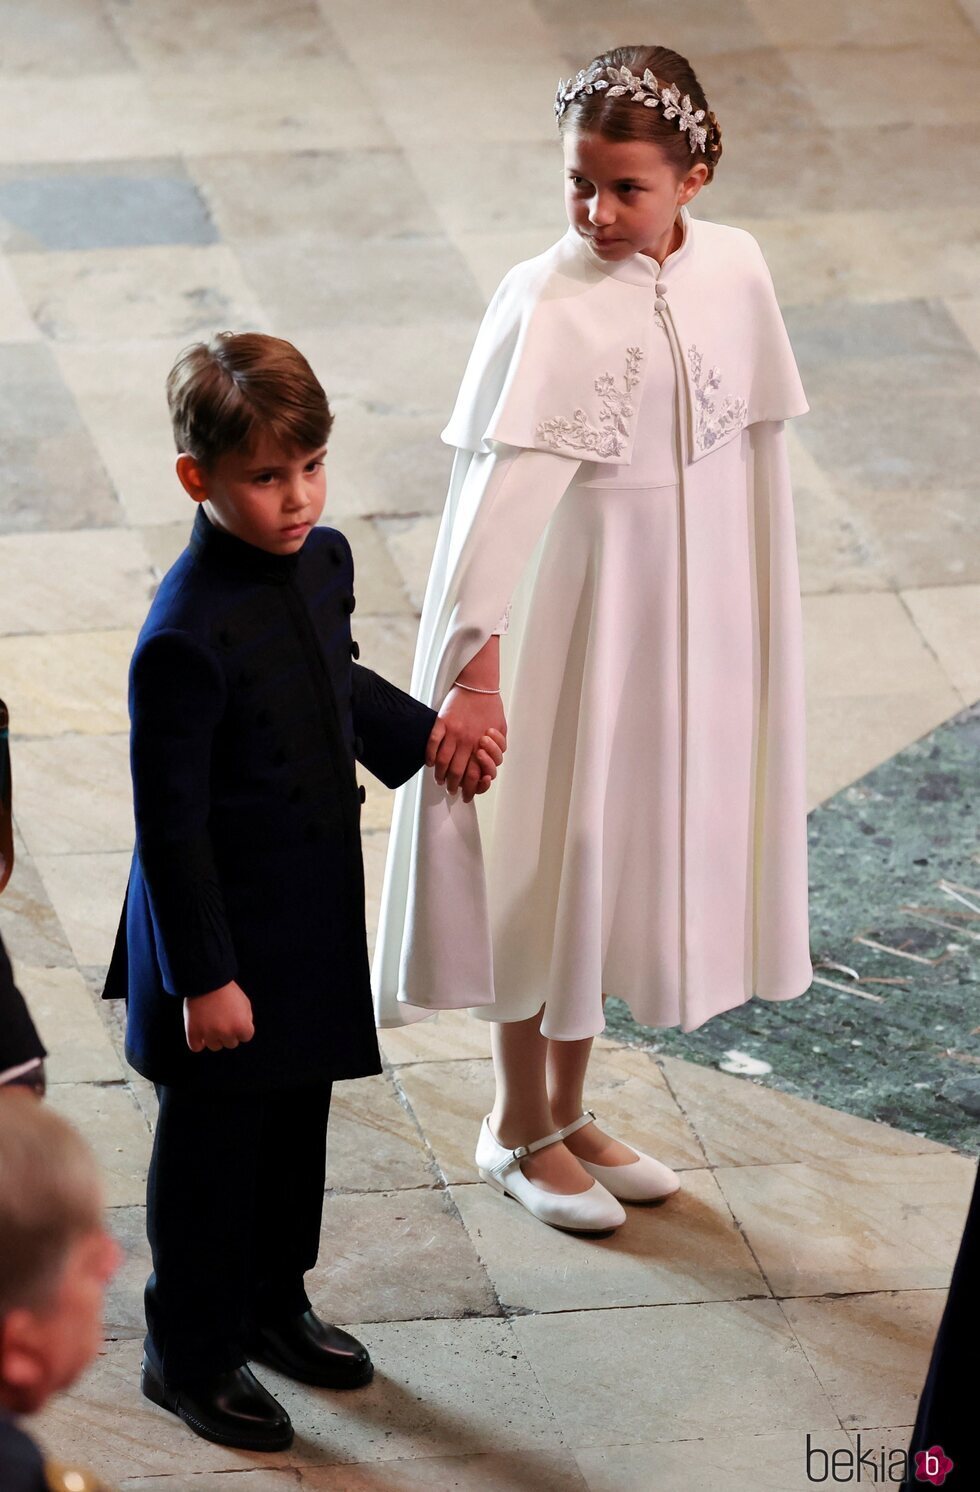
x=660 y=303
x=661 y=288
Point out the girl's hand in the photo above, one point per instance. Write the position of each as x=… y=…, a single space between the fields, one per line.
x=222 y=1018
x=465 y=717
x=481 y=769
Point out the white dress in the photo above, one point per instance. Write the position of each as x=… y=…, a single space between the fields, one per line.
x=646 y=835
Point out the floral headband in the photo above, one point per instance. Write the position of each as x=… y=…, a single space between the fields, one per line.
x=617 y=82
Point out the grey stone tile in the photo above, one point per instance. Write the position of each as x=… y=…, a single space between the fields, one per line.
x=424 y=281
x=163 y=34
x=839 y=78
x=488 y=186
x=75 y=36
x=545 y=1471
x=684 y=1249
x=397 y=1256
x=373 y=1144
x=101 y=116
x=387 y=464
x=795 y=23
x=378 y=585
x=216 y=1481
x=41 y=682
x=110 y=1120
x=336 y=197
x=73 y=794
x=387 y=645
x=29 y=924
x=583 y=31
x=79 y=1048
x=124 y=1318
x=870 y=1352
x=65 y=582
x=902 y=164
x=164 y=543
x=383 y=368
x=738 y=1463
x=429 y=30
x=87 y=893
x=16 y=322
x=53 y=477
x=93 y=206
x=411 y=543
x=677 y=1372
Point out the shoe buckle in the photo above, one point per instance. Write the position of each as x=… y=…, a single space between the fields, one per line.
x=520 y=1152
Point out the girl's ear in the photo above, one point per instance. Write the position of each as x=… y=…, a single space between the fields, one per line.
x=192 y=477
x=692 y=183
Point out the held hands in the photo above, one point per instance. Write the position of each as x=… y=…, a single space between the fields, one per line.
x=222 y=1018
x=468 y=742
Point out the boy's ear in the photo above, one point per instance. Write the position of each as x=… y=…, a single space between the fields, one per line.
x=192 y=477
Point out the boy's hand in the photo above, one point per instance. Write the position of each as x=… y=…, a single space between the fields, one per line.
x=481 y=769
x=222 y=1018
x=464 y=719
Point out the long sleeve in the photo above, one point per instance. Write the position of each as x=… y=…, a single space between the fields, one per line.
x=391 y=728
x=177 y=696
x=21 y=1047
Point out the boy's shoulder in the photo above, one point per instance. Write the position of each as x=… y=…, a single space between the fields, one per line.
x=328 y=546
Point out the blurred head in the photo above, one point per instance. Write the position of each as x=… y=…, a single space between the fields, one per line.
x=628 y=168
x=251 y=422
x=56 y=1257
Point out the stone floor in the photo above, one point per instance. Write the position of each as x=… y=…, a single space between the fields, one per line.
x=356 y=176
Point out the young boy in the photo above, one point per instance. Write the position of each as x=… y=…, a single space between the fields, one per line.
x=55 y=1261
x=242 y=949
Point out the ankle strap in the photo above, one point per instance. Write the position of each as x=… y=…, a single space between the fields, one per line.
x=552 y=1139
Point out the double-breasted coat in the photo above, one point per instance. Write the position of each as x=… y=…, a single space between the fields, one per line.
x=248 y=710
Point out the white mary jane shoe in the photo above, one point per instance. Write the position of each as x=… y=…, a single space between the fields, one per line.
x=592 y=1211
x=641 y=1180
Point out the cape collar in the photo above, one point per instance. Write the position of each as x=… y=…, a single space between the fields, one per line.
x=640 y=269
x=232 y=556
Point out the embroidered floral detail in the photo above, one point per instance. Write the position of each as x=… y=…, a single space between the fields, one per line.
x=712 y=423
x=615 y=412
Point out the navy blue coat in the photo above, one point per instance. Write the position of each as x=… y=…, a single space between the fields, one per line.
x=247 y=713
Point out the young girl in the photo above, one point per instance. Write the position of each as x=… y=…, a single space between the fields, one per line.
x=621 y=486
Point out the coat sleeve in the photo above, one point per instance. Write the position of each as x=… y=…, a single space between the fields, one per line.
x=177 y=698
x=391 y=728
x=20 y=1044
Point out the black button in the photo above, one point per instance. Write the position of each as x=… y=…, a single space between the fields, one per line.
x=297 y=793
x=264 y=717
x=358 y=745
x=279 y=758
x=336 y=555
x=362 y=793
x=347 y=605
x=355 y=650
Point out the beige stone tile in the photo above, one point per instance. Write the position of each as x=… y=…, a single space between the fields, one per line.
x=874 y=1223
x=377 y=582
x=110 y=1120
x=893 y=1440
x=314 y=104
x=68 y=681
x=31 y=931
x=218 y=1481
x=440 y=1388
x=836 y=550
x=387 y=464
x=490 y=255
x=67 y=582
x=551 y=1471
x=76 y=37
x=865 y=644
x=428 y=30
x=849 y=736
x=684 y=1249
x=446 y=1036
x=949 y=619
x=378 y=803
x=87 y=893
x=171 y=33
x=374 y=844
x=124 y=1316
x=397 y=1256
x=676 y=1372
x=741 y=1123
x=73 y=794
x=522 y=90
x=411 y=543
x=870 y=1352
x=103 y=1421
x=715 y=26
x=737 y=1463
x=387 y=645
x=373 y=1144
x=965 y=311
x=795 y=23
x=840 y=83
x=389 y=368
x=92 y=117
x=120 y=392
x=178 y=290
x=625 y=1088
x=79 y=1048
x=16 y=322
x=165 y=542
x=488 y=187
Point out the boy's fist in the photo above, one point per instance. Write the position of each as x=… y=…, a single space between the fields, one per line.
x=222 y=1018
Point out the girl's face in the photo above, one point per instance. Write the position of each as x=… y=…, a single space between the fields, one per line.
x=623 y=196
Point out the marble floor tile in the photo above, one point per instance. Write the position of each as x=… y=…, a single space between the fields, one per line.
x=378 y=584
x=740 y=1123
x=96 y=206
x=480 y=186
x=412 y=368
x=53 y=475
x=374 y=1144
x=111 y=1122
x=949 y=619
x=738 y=1463
x=16 y=322
x=386 y=463
x=836 y=550
x=449 y=1100
x=425 y=281
x=839 y=80
x=411 y=543
x=449 y=1035
x=776 y=175
x=216 y=1481
x=124 y=1317
x=676 y=1372
x=584 y=30
x=870 y=1352
x=387 y=645
x=87 y=893
x=686 y=1248
x=105 y=294
x=917 y=173
x=847 y=736
x=547 y=1471
x=877 y=1222
x=318 y=103
x=440 y=1388
x=61 y=1004
x=120 y=390
x=425 y=106
x=66 y=682
x=76 y=37
x=319 y=194
x=490 y=255
x=795 y=23
x=73 y=794
x=75 y=581
x=965 y=312
x=163 y=543
x=168 y=34
x=101 y=116
x=31 y=930
x=397 y=1256
x=454 y=36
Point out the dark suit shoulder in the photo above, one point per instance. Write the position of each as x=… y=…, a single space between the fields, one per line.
x=328 y=548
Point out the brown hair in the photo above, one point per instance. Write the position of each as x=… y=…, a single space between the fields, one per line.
x=50 y=1196
x=621 y=119
x=224 y=393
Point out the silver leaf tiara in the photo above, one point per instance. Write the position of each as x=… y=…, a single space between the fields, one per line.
x=618 y=82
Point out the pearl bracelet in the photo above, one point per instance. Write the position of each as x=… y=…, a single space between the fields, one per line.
x=473 y=689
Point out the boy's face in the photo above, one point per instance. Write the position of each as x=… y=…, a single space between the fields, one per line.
x=270 y=498
x=44 y=1351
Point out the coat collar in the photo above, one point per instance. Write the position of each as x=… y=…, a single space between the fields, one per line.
x=640 y=269
x=231 y=556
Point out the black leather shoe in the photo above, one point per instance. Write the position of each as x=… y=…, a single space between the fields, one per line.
x=310 y=1351
x=232 y=1408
